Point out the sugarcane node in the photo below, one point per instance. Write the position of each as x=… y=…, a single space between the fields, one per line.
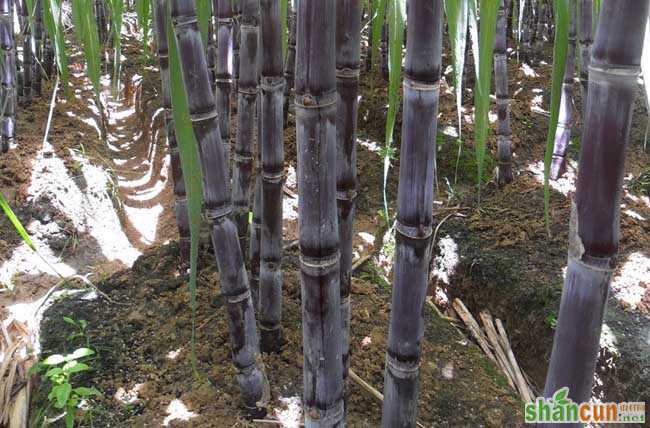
x=348 y=73
x=242 y=157
x=218 y=214
x=272 y=176
x=621 y=71
x=346 y=195
x=320 y=266
x=238 y=298
x=184 y=20
x=272 y=83
x=309 y=101
x=402 y=369
x=203 y=116
x=418 y=85
x=413 y=232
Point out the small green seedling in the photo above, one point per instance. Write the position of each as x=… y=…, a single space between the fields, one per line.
x=59 y=370
x=81 y=330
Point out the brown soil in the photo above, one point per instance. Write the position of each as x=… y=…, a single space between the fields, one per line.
x=134 y=340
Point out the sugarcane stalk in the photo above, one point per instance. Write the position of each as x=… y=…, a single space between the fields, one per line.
x=315 y=104
x=271 y=144
x=246 y=100
x=236 y=24
x=526 y=33
x=541 y=28
x=233 y=277
x=585 y=34
x=28 y=56
x=38 y=47
x=224 y=69
x=256 y=223
x=48 y=56
x=414 y=223
x=348 y=47
x=504 y=143
x=102 y=21
x=290 y=60
x=565 y=117
x=7 y=76
x=383 y=48
x=595 y=217
x=180 y=195
x=212 y=55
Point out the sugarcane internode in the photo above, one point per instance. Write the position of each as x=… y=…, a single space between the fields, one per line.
x=594 y=229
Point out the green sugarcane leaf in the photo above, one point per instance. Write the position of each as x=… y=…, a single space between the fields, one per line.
x=53 y=20
x=487 y=35
x=396 y=18
x=284 y=11
x=378 y=17
x=117 y=12
x=85 y=27
x=188 y=149
x=16 y=223
x=473 y=32
x=143 y=13
x=203 y=14
x=560 y=48
x=457 y=18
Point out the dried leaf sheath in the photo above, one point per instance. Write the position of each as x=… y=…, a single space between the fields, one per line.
x=233 y=278
x=414 y=212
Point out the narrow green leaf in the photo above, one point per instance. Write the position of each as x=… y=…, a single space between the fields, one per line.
x=53 y=20
x=117 y=12
x=457 y=17
x=487 y=35
x=473 y=31
x=596 y=12
x=396 y=18
x=378 y=17
x=204 y=14
x=85 y=27
x=143 y=13
x=16 y=223
x=560 y=47
x=188 y=149
x=284 y=11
